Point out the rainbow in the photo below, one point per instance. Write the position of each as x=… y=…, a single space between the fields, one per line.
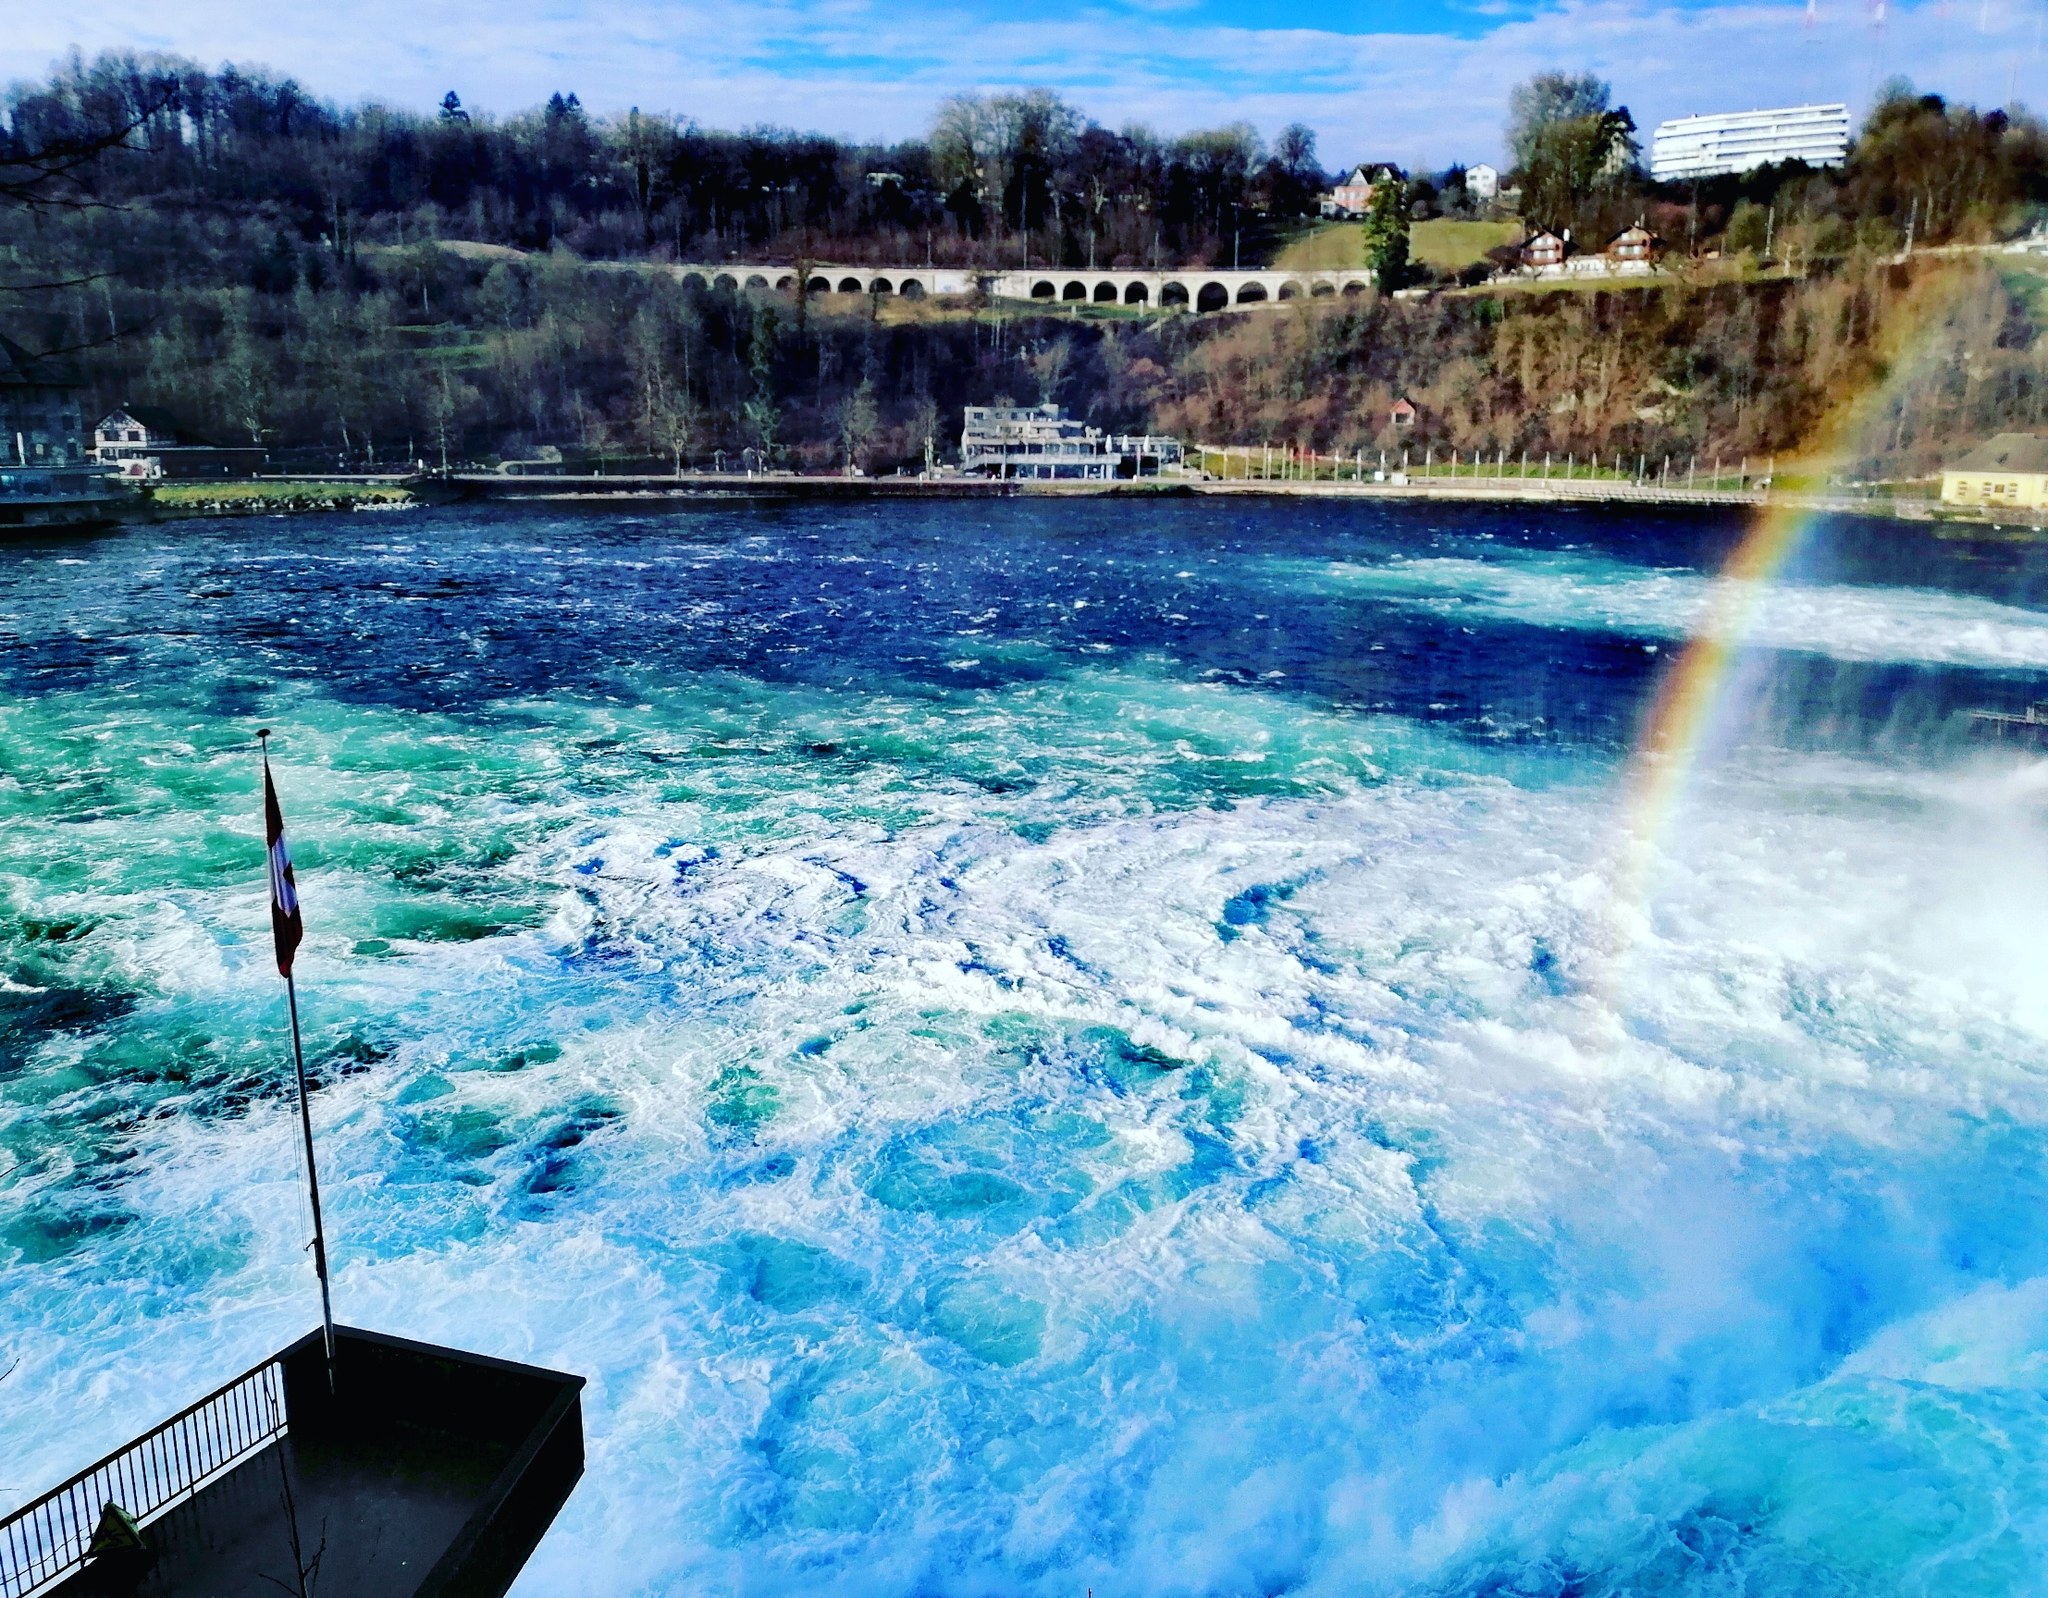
x=1685 y=710
x=1688 y=707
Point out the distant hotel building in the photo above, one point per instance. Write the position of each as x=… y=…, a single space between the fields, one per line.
x=1739 y=141
x=1042 y=441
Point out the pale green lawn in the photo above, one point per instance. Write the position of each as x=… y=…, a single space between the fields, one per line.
x=280 y=495
x=1440 y=242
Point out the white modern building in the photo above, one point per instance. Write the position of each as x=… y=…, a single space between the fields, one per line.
x=1482 y=182
x=1739 y=141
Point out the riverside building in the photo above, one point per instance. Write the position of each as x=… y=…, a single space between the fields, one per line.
x=142 y=441
x=40 y=420
x=1740 y=141
x=1043 y=442
x=2009 y=473
x=45 y=478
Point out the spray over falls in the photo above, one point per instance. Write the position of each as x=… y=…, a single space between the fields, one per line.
x=1031 y=1046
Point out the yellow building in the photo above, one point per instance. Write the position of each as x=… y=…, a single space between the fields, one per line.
x=2009 y=473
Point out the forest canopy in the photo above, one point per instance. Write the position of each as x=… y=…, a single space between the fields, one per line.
x=996 y=175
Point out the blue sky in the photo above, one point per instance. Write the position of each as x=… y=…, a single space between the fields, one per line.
x=1419 y=83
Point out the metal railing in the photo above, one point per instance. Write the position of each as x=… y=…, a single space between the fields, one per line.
x=49 y=1538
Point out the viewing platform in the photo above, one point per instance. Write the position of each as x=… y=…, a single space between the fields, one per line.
x=424 y=1473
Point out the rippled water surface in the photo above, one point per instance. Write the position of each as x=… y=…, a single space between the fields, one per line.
x=1061 y=1045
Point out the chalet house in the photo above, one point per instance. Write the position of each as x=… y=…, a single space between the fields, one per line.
x=1353 y=197
x=133 y=430
x=2009 y=473
x=40 y=419
x=1402 y=416
x=1636 y=243
x=145 y=441
x=1546 y=249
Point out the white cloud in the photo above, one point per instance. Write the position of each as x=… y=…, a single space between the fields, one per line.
x=871 y=68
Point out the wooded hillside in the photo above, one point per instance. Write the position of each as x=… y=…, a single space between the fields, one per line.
x=367 y=288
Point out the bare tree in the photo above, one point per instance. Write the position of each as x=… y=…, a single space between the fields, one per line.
x=676 y=423
x=924 y=424
x=1049 y=366
x=1546 y=100
x=52 y=166
x=858 y=419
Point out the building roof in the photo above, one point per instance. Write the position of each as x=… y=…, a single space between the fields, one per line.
x=16 y=364
x=18 y=367
x=153 y=417
x=2008 y=452
x=159 y=421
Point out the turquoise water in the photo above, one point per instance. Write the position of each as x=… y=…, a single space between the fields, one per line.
x=1049 y=1046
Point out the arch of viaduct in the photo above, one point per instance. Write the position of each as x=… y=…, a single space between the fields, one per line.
x=1195 y=289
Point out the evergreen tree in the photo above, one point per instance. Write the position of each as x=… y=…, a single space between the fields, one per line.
x=1386 y=235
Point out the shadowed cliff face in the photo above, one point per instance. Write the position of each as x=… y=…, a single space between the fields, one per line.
x=1034 y=1044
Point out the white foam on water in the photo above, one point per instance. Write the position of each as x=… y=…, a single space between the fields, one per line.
x=953 y=1184
x=1591 y=594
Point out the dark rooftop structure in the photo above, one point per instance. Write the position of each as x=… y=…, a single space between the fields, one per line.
x=423 y=1473
x=163 y=424
x=18 y=365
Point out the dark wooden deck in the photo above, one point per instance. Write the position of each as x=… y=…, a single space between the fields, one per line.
x=426 y=1473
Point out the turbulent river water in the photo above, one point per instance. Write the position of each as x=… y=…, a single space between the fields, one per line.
x=1059 y=1045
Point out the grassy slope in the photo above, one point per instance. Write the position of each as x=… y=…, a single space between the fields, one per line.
x=1440 y=242
x=1451 y=245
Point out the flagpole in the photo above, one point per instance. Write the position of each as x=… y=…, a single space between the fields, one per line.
x=291 y=996
x=280 y=887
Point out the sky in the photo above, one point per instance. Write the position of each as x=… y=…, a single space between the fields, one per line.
x=1422 y=83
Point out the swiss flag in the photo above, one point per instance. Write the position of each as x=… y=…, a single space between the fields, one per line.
x=285 y=924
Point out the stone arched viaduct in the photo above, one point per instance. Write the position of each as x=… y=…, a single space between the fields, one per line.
x=1195 y=289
